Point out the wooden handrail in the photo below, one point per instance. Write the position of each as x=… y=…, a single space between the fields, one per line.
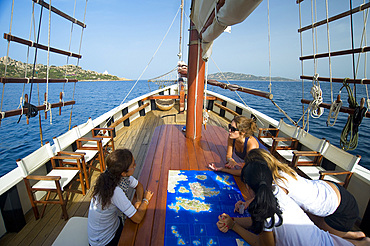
x=39 y=108
x=338 y=80
x=39 y=46
x=240 y=88
x=342 y=109
x=58 y=12
x=336 y=53
x=336 y=17
x=6 y=80
x=122 y=119
x=227 y=109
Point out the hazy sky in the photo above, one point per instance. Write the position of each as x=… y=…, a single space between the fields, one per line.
x=122 y=36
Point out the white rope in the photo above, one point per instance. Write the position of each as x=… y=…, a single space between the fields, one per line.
x=150 y=61
x=205 y=113
x=48 y=108
x=316 y=93
x=328 y=34
x=2 y=115
x=7 y=56
x=48 y=64
x=269 y=42
x=301 y=44
x=334 y=112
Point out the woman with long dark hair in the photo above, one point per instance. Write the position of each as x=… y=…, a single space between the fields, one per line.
x=104 y=225
x=275 y=218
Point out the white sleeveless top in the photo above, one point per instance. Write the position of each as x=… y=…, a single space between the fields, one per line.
x=314 y=196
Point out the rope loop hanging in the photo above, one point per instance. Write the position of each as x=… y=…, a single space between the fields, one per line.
x=349 y=136
x=334 y=111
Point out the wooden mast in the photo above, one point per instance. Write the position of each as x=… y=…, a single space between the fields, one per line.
x=196 y=70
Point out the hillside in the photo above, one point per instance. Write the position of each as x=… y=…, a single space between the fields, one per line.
x=242 y=76
x=16 y=69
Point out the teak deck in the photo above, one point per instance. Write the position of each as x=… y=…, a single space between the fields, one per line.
x=170 y=150
x=137 y=137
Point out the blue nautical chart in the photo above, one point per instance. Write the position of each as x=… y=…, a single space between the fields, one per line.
x=195 y=199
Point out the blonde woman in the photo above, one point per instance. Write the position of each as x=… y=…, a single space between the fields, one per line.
x=329 y=205
x=240 y=141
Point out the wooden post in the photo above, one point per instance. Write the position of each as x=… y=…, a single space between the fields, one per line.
x=196 y=69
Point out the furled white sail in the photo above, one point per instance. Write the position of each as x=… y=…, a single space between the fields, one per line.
x=231 y=13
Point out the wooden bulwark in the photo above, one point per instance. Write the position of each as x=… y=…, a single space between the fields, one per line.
x=122 y=119
x=39 y=46
x=227 y=109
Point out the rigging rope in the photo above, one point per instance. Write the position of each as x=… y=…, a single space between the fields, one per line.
x=78 y=62
x=334 y=111
x=150 y=61
x=205 y=113
x=354 y=120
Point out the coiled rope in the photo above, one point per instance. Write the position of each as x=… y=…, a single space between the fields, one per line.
x=350 y=130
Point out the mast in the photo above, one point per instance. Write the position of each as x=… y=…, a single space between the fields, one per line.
x=196 y=70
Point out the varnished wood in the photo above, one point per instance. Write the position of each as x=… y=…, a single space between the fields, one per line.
x=137 y=137
x=171 y=150
x=122 y=119
x=227 y=109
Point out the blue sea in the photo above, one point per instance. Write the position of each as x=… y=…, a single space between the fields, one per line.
x=95 y=98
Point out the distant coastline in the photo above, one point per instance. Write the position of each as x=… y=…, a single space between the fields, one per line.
x=246 y=77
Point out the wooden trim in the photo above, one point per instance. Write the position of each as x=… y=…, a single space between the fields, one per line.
x=122 y=119
x=336 y=17
x=342 y=109
x=6 y=80
x=174 y=97
x=58 y=12
x=338 y=80
x=39 y=46
x=240 y=88
x=39 y=108
x=336 y=53
x=227 y=109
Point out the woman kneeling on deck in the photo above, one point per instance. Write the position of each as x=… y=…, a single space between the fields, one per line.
x=104 y=224
x=275 y=217
x=240 y=140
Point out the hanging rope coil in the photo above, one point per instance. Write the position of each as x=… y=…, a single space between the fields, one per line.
x=334 y=111
x=350 y=130
x=314 y=108
x=48 y=108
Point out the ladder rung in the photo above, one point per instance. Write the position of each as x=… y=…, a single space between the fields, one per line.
x=39 y=46
x=35 y=80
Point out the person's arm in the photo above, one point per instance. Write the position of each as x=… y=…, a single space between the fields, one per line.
x=230 y=162
x=139 y=215
x=226 y=223
x=235 y=172
x=139 y=195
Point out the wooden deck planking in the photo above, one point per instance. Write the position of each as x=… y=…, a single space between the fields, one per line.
x=170 y=153
x=136 y=137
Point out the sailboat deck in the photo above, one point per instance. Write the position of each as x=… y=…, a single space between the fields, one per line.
x=137 y=137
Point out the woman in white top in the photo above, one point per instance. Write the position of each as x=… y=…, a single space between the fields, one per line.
x=104 y=225
x=330 y=206
x=275 y=218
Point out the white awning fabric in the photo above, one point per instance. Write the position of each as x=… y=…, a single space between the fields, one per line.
x=231 y=13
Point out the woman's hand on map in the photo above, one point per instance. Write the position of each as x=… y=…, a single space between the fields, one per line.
x=238 y=205
x=213 y=167
x=225 y=222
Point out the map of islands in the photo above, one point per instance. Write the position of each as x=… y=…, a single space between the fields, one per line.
x=195 y=199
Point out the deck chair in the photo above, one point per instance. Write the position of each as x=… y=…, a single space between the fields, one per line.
x=58 y=180
x=73 y=143
x=106 y=134
x=344 y=165
x=286 y=140
x=310 y=153
x=74 y=233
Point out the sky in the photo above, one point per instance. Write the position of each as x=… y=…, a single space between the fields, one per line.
x=123 y=36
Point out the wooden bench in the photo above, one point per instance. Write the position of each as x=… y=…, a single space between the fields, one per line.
x=170 y=150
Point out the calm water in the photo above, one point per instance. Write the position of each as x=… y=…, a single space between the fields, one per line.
x=95 y=98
